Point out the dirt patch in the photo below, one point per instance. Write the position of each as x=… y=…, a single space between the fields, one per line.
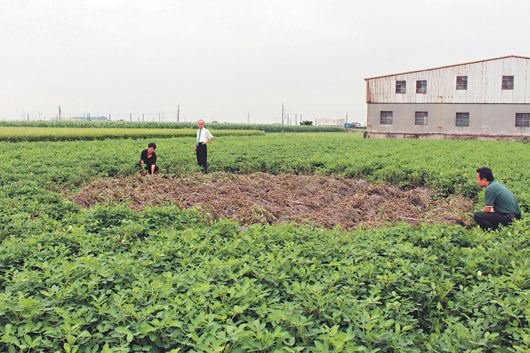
x=326 y=201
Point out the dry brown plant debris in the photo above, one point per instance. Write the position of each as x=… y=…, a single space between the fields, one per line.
x=325 y=201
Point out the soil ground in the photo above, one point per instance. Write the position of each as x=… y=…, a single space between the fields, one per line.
x=325 y=201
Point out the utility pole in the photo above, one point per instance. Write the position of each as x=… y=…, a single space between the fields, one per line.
x=143 y=117
x=130 y=117
x=282 y=113
x=346 y=119
x=59 y=112
x=178 y=113
x=158 y=117
x=248 y=118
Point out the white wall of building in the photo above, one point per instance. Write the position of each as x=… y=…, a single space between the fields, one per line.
x=484 y=84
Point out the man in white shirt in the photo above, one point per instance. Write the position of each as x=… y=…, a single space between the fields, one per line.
x=203 y=137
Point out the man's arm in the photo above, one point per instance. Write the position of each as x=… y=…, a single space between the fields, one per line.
x=488 y=209
x=210 y=137
x=489 y=201
x=153 y=169
x=142 y=162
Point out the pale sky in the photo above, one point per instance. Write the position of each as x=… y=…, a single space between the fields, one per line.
x=221 y=60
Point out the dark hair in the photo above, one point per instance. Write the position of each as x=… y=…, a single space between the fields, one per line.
x=152 y=144
x=485 y=173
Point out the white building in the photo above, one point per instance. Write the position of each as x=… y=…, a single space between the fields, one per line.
x=481 y=99
x=329 y=122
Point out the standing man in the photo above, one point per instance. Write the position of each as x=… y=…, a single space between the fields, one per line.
x=203 y=138
x=500 y=205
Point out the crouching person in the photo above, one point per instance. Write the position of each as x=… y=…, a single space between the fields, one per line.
x=148 y=160
x=500 y=205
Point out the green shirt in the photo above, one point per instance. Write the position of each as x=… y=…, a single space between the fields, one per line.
x=501 y=199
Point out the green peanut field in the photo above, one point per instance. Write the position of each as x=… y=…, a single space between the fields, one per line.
x=163 y=279
x=19 y=133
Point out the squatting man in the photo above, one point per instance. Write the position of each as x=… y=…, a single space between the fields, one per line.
x=148 y=160
x=500 y=207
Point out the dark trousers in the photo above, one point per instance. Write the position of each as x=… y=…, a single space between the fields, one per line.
x=492 y=220
x=202 y=156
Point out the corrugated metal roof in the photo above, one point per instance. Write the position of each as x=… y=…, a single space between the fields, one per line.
x=446 y=66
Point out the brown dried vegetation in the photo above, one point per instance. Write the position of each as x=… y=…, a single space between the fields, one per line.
x=325 y=201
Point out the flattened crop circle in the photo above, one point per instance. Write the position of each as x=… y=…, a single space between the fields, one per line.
x=325 y=201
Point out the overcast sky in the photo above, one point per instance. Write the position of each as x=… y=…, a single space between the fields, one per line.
x=222 y=59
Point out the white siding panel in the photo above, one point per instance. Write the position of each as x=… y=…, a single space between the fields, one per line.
x=484 y=84
x=492 y=79
x=527 y=83
x=520 y=78
x=508 y=69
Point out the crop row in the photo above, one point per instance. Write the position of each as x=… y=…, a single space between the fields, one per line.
x=168 y=280
x=18 y=134
x=171 y=125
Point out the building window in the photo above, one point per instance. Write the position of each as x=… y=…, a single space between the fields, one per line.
x=461 y=82
x=507 y=82
x=462 y=119
x=420 y=118
x=386 y=118
x=401 y=87
x=522 y=119
x=421 y=86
